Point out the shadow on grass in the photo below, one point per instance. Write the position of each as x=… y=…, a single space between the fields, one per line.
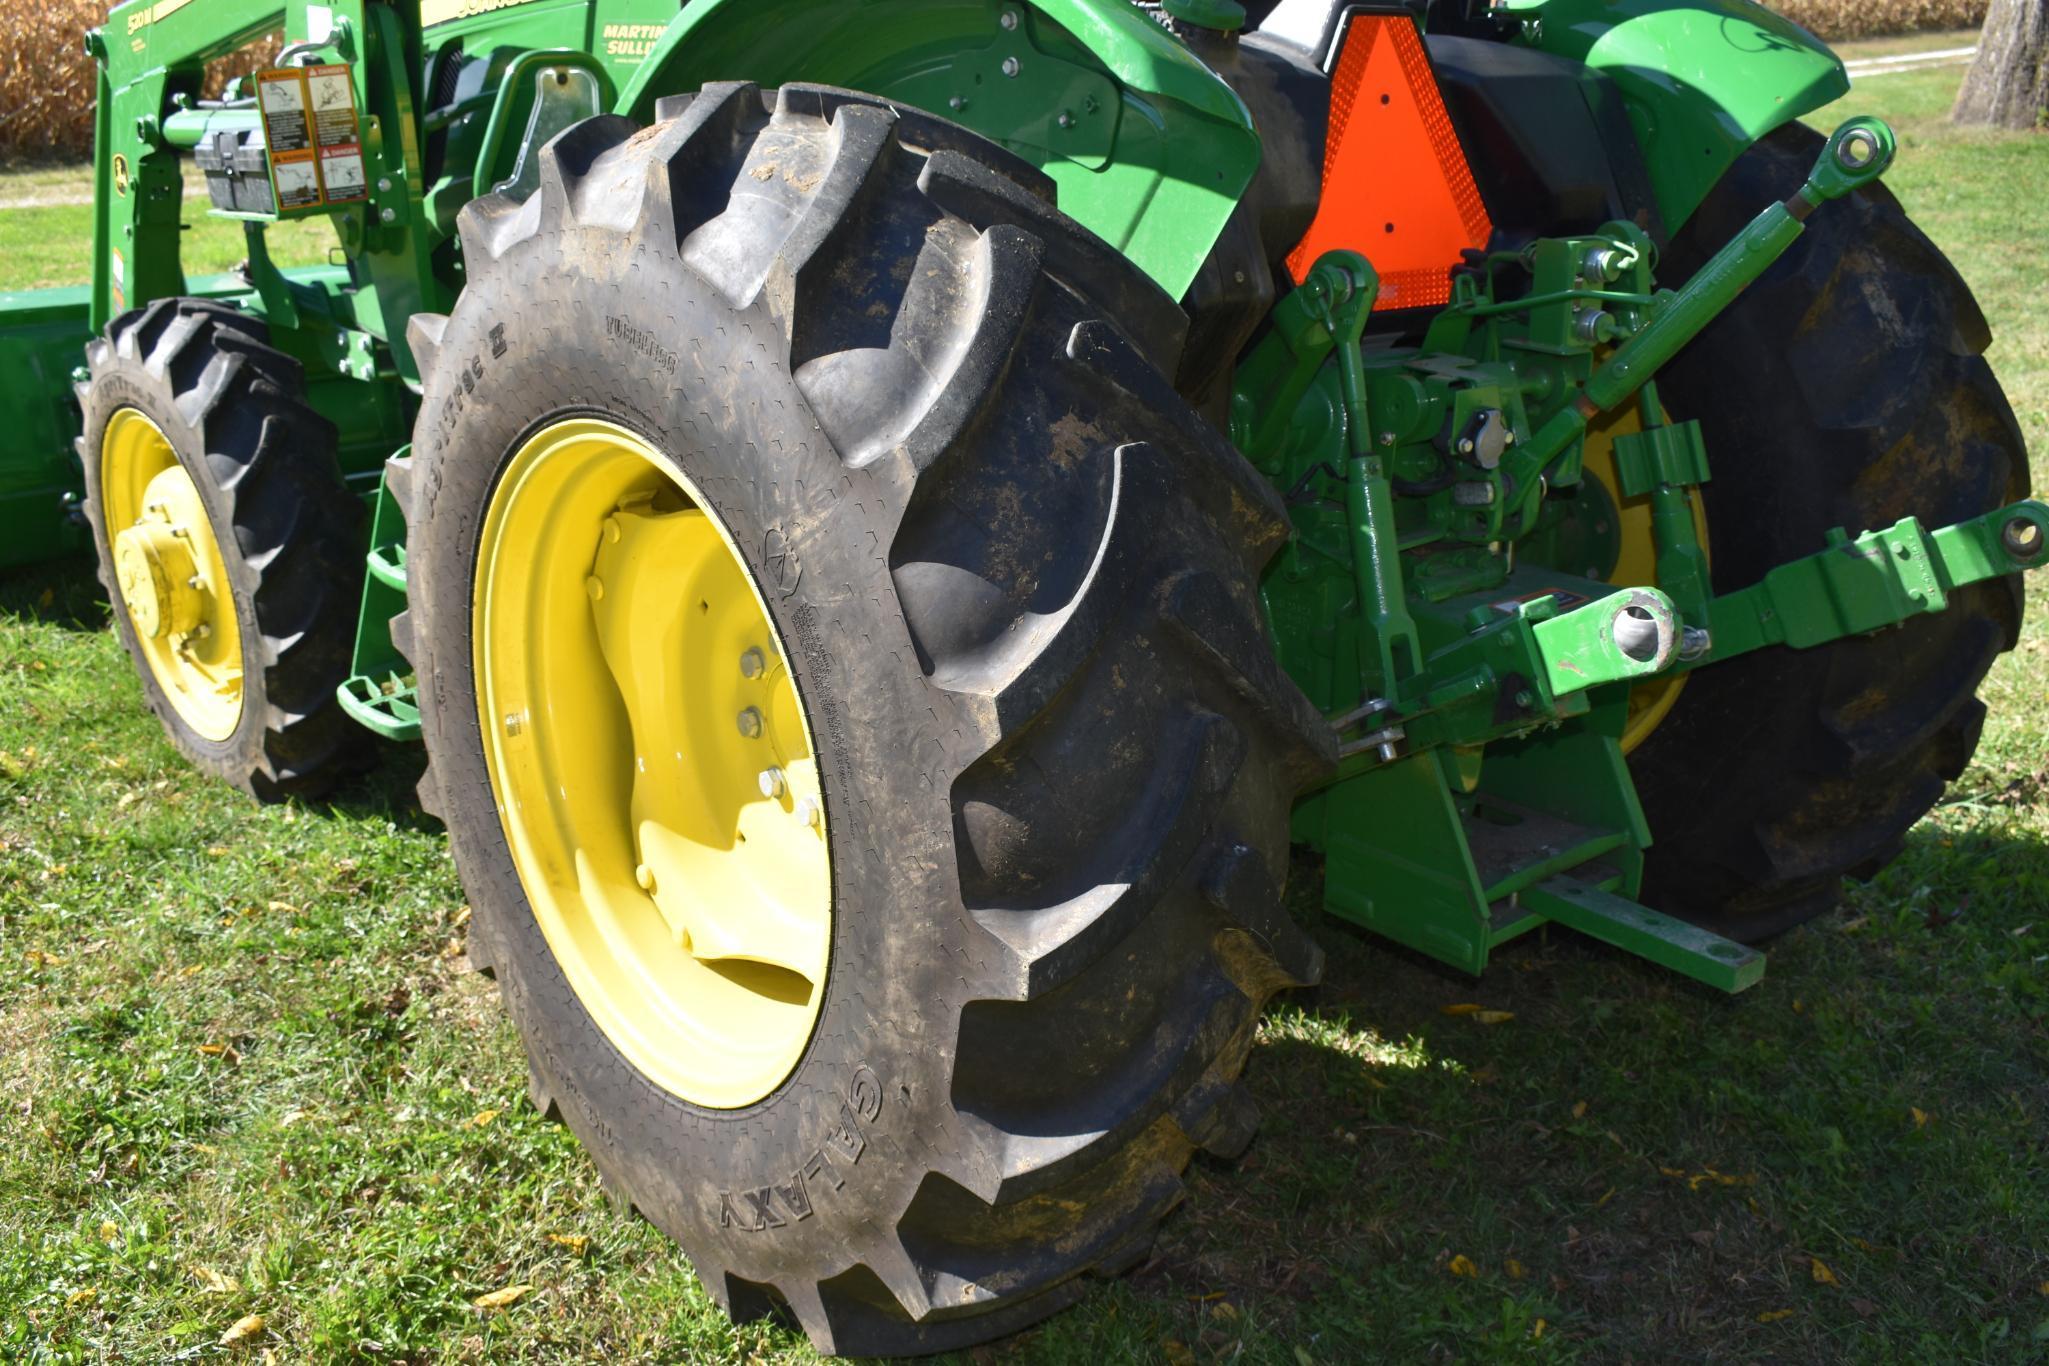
x=1843 y=1157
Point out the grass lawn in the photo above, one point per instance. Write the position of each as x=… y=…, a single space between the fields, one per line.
x=46 y=237
x=242 y=1069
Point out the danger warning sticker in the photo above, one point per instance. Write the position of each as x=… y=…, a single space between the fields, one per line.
x=315 y=139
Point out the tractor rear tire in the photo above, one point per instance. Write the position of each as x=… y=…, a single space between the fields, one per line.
x=261 y=461
x=1845 y=388
x=1015 y=579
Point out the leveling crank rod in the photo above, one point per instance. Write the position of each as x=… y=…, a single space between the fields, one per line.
x=1481 y=789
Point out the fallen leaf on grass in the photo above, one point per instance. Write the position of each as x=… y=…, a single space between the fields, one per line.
x=462 y=918
x=216 y=851
x=242 y=1329
x=192 y=971
x=1177 y=1352
x=1774 y=1315
x=1462 y=1265
x=1579 y=1111
x=283 y=907
x=1605 y=1198
x=1465 y=1008
x=2043 y=1288
x=499 y=1299
x=213 y=1282
x=38 y=959
x=482 y=1118
x=1537 y=1329
x=1921 y=1116
x=1819 y=1270
x=575 y=1242
x=1515 y=1269
x=84 y=1296
x=109 y=1231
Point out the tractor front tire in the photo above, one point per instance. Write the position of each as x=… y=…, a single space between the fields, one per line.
x=1845 y=388
x=213 y=494
x=1014 y=579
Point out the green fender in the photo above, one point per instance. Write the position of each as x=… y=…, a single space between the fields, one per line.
x=1702 y=79
x=1147 y=146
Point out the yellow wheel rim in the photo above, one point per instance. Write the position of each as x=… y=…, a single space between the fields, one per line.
x=169 y=575
x=1649 y=703
x=652 y=764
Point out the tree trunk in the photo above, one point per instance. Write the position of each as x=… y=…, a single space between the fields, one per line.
x=2008 y=85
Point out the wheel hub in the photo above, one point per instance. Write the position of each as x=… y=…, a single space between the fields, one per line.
x=652 y=764
x=159 y=581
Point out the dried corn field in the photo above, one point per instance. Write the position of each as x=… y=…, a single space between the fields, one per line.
x=1843 y=19
x=46 y=80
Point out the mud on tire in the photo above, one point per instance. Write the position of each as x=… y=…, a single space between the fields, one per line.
x=1016 y=580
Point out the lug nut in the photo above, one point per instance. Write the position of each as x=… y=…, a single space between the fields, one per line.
x=772 y=784
x=1010 y=66
x=750 y=722
x=752 y=662
x=806 y=812
x=594 y=586
x=645 y=876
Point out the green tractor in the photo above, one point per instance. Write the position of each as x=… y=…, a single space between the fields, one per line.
x=892 y=518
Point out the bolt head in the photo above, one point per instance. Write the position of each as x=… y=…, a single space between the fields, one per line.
x=753 y=663
x=750 y=722
x=1009 y=19
x=388 y=216
x=1011 y=66
x=645 y=876
x=594 y=586
x=956 y=103
x=806 y=811
x=772 y=783
x=384 y=184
